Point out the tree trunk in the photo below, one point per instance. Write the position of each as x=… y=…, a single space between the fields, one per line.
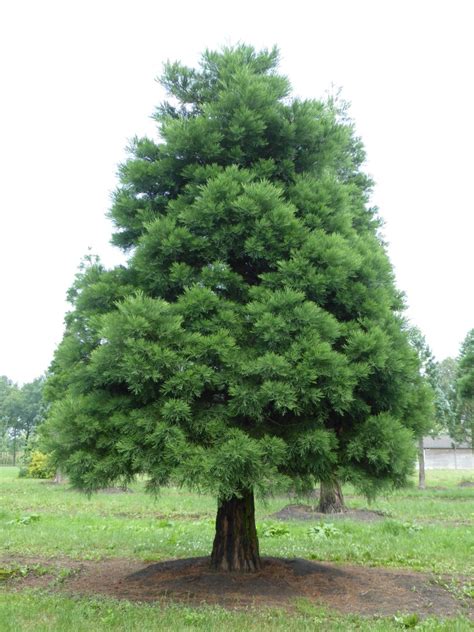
x=235 y=545
x=421 y=464
x=58 y=477
x=331 y=499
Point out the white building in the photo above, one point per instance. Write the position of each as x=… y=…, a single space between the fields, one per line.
x=443 y=453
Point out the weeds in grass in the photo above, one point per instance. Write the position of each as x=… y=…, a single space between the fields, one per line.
x=62 y=575
x=407 y=620
x=23 y=520
x=15 y=571
x=395 y=527
x=461 y=589
x=272 y=530
x=324 y=530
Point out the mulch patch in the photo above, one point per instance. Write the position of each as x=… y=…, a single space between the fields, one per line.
x=347 y=589
x=306 y=512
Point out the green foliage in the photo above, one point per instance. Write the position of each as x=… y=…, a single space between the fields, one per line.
x=395 y=527
x=465 y=390
x=23 y=520
x=39 y=465
x=273 y=530
x=407 y=621
x=22 y=410
x=445 y=392
x=18 y=571
x=324 y=530
x=254 y=335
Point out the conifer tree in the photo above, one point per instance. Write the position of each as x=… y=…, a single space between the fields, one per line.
x=255 y=335
x=464 y=427
x=429 y=375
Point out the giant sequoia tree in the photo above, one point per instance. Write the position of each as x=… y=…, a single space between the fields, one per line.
x=255 y=335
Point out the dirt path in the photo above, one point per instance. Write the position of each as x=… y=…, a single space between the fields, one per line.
x=356 y=589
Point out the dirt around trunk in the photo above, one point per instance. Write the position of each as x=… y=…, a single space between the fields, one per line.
x=306 y=512
x=347 y=589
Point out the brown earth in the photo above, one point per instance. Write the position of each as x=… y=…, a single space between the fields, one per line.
x=306 y=512
x=347 y=589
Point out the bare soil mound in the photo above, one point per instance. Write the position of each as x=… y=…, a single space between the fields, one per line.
x=357 y=589
x=306 y=512
x=362 y=590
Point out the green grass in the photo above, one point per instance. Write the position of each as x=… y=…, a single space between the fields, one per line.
x=429 y=530
x=426 y=531
x=45 y=613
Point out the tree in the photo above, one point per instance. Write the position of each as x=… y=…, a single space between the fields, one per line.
x=21 y=410
x=255 y=335
x=445 y=396
x=6 y=387
x=10 y=407
x=464 y=430
x=32 y=407
x=428 y=372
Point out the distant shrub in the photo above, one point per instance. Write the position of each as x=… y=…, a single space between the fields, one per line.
x=39 y=466
x=23 y=472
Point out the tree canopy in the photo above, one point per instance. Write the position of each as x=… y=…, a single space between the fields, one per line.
x=465 y=390
x=21 y=410
x=255 y=335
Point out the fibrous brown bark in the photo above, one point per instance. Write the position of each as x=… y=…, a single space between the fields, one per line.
x=421 y=465
x=331 y=499
x=235 y=545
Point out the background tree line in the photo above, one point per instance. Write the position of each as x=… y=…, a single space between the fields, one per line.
x=22 y=409
x=452 y=384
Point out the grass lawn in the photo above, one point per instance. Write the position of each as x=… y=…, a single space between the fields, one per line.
x=44 y=613
x=430 y=531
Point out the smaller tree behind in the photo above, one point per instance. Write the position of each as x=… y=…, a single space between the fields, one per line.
x=464 y=428
x=445 y=396
x=428 y=373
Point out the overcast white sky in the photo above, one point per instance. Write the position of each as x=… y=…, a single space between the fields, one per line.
x=77 y=81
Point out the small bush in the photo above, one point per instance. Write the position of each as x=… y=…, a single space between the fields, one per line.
x=39 y=466
x=323 y=530
x=272 y=530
